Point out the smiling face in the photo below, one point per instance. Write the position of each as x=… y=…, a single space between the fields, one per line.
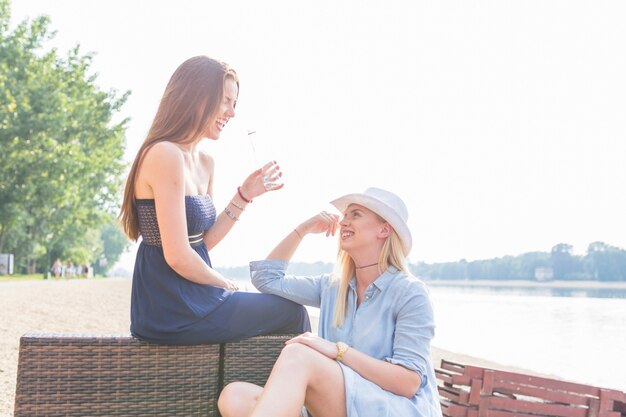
x=361 y=228
x=225 y=110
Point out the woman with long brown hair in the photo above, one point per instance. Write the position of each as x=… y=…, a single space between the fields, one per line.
x=372 y=355
x=177 y=297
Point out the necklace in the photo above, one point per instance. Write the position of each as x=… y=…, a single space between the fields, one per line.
x=366 y=266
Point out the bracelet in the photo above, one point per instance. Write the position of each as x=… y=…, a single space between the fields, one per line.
x=298 y=233
x=342 y=348
x=237 y=205
x=230 y=214
x=242 y=197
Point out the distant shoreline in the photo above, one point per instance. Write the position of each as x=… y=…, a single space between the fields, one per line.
x=582 y=285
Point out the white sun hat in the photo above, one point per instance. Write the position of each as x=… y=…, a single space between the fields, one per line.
x=387 y=205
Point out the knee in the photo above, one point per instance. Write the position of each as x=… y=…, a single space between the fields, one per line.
x=299 y=356
x=231 y=399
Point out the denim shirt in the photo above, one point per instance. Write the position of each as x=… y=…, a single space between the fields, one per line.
x=394 y=321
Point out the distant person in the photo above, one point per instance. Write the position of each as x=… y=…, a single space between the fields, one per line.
x=69 y=269
x=57 y=268
x=372 y=355
x=177 y=296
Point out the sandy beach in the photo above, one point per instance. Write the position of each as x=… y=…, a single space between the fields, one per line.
x=98 y=306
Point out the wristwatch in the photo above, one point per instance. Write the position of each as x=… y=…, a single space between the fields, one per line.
x=341 y=350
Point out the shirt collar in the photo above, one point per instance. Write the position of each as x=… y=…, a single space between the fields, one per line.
x=382 y=281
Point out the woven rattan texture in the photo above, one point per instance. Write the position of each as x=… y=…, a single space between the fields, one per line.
x=114 y=376
x=147 y=219
x=251 y=360
x=199 y=210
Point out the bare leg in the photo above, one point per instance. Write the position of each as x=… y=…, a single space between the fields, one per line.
x=300 y=376
x=238 y=399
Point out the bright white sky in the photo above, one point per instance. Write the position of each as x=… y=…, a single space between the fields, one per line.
x=501 y=124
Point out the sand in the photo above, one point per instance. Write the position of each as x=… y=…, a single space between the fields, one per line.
x=98 y=306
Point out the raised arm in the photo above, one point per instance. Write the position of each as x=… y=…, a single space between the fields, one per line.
x=320 y=223
x=251 y=188
x=168 y=188
x=269 y=277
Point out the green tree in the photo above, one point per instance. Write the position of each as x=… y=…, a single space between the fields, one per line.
x=530 y=261
x=563 y=263
x=114 y=243
x=605 y=262
x=61 y=159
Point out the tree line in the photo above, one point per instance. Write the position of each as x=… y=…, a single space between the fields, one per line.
x=601 y=262
x=61 y=153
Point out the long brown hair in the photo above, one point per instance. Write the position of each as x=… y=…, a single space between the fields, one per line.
x=188 y=108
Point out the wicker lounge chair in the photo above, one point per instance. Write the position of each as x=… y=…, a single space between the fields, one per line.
x=118 y=375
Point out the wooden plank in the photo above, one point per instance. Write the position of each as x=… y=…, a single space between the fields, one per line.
x=450 y=409
x=452 y=378
x=443 y=376
x=474 y=396
x=452 y=366
x=594 y=408
x=468 y=370
x=454 y=394
x=547 y=383
x=507 y=404
x=502 y=413
x=608 y=398
x=487 y=388
x=514 y=388
x=610 y=414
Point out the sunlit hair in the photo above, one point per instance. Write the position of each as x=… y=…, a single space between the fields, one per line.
x=392 y=254
x=189 y=106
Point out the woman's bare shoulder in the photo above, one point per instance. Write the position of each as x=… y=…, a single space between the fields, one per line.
x=162 y=163
x=163 y=153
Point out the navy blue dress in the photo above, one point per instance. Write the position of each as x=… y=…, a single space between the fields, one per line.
x=167 y=308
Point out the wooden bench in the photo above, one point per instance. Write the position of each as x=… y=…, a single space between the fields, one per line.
x=472 y=391
x=119 y=375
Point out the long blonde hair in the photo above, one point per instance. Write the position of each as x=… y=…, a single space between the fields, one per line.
x=391 y=254
x=188 y=108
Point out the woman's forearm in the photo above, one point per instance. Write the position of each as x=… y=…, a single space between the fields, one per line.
x=391 y=377
x=189 y=265
x=287 y=247
x=225 y=221
x=320 y=223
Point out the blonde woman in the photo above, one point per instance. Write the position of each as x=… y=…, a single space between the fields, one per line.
x=177 y=295
x=372 y=355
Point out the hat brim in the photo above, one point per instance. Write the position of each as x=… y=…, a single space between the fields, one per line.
x=383 y=210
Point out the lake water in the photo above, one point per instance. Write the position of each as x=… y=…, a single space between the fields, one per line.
x=578 y=338
x=574 y=334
